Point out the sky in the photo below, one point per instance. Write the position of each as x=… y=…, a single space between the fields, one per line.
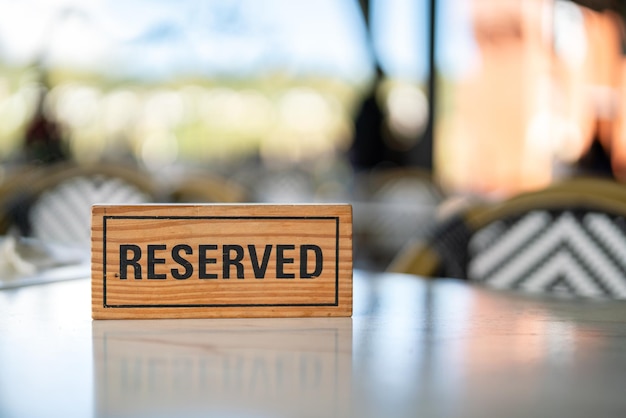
x=165 y=38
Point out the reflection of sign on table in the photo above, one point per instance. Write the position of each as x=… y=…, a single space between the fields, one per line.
x=192 y=261
x=274 y=367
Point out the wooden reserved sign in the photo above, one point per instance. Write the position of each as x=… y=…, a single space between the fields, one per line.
x=208 y=261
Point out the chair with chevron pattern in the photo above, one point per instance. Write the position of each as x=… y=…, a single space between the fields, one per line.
x=567 y=240
x=60 y=199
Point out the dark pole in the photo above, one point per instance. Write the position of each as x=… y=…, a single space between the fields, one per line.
x=422 y=152
x=365 y=10
x=432 y=84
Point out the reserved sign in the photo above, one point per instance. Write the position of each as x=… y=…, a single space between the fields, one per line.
x=203 y=261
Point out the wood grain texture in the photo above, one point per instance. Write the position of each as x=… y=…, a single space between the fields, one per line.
x=208 y=261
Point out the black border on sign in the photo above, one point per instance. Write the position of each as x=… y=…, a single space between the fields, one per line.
x=224 y=305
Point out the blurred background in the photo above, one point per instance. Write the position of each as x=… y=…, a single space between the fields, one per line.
x=395 y=106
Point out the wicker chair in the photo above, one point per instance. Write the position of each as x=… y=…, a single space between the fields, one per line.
x=568 y=239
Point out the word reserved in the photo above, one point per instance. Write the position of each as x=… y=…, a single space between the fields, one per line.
x=230 y=256
x=206 y=261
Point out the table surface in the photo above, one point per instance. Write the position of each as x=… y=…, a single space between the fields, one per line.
x=412 y=348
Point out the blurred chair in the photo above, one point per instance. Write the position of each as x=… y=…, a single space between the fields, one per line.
x=208 y=189
x=282 y=185
x=13 y=199
x=568 y=239
x=55 y=202
x=391 y=207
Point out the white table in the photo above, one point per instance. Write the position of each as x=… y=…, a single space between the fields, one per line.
x=412 y=348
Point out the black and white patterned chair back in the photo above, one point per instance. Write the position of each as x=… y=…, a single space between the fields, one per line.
x=578 y=253
x=62 y=198
x=63 y=214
